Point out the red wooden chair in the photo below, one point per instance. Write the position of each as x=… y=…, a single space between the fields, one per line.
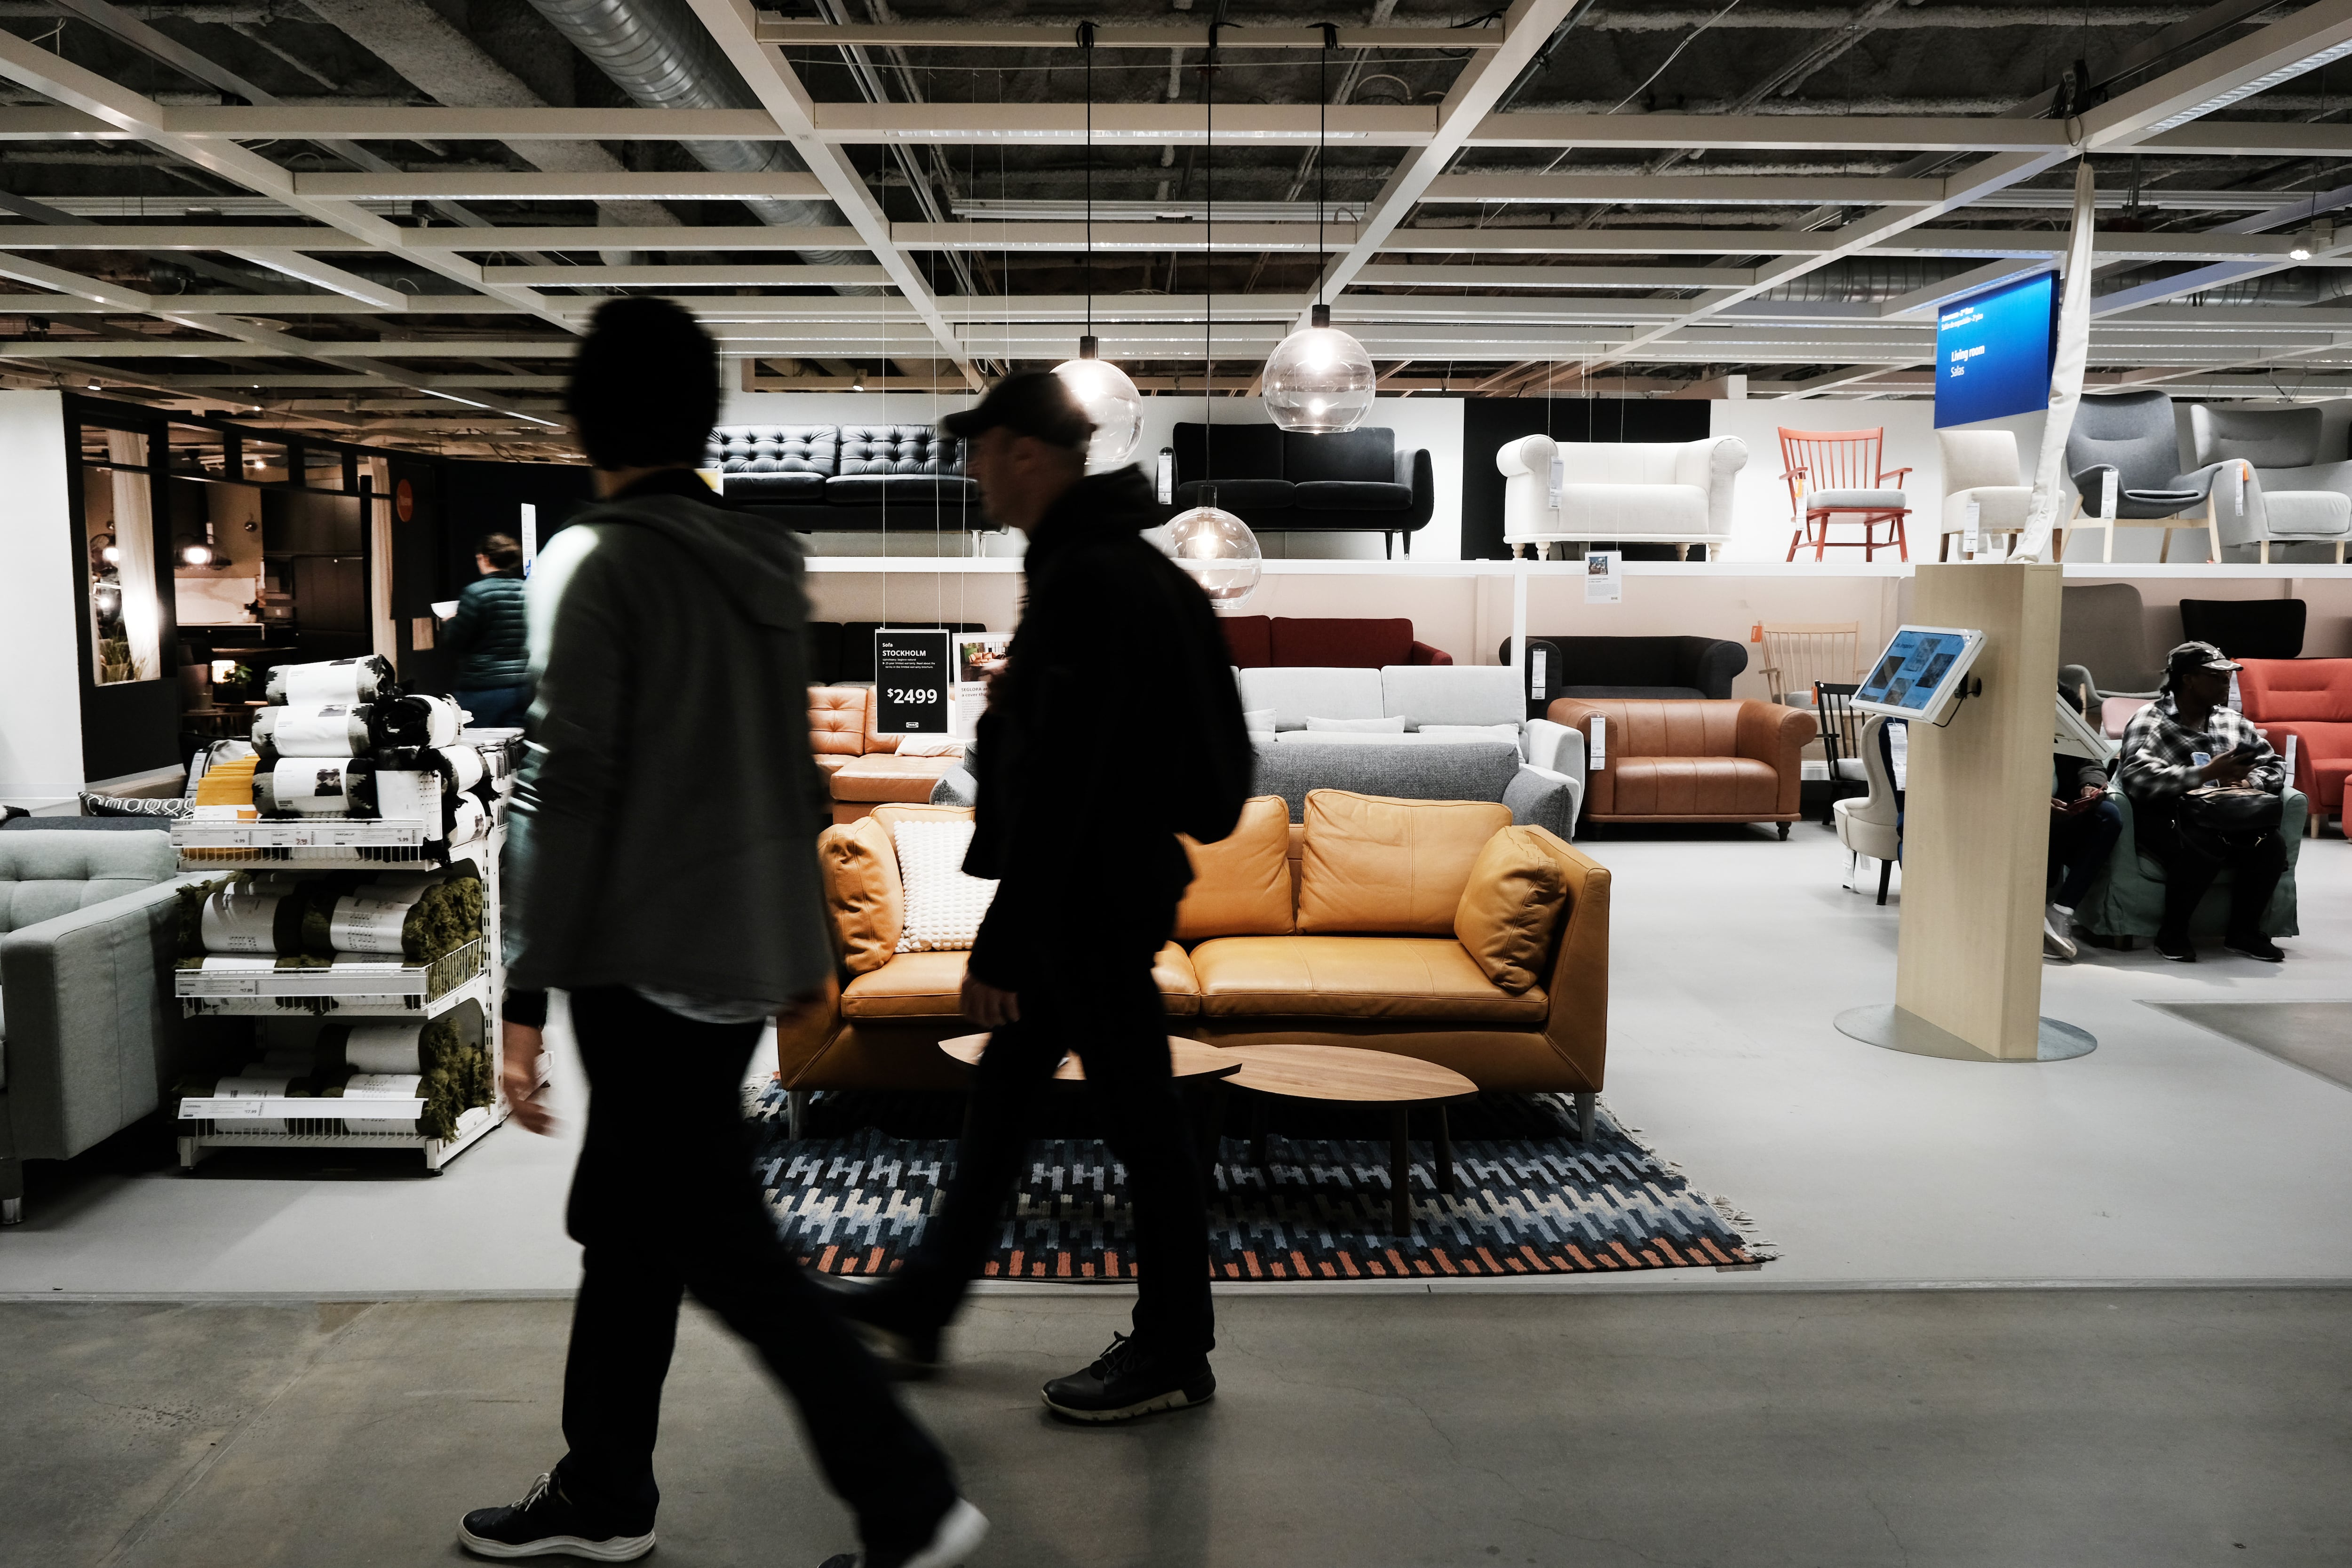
x=1833 y=475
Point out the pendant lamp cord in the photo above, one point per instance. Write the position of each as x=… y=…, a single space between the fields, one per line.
x=1209 y=252
x=1087 y=42
x=1322 y=158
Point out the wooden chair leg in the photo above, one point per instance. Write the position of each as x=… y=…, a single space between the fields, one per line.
x=1902 y=540
x=1943 y=548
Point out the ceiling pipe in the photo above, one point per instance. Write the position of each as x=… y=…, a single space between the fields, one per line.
x=657 y=53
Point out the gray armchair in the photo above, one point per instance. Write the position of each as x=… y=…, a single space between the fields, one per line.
x=2133 y=436
x=2304 y=500
x=89 y=1032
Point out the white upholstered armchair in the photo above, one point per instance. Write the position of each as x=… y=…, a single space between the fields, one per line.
x=1981 y=468
x=1674 y=492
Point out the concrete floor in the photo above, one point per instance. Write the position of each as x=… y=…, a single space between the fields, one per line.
x=2009 y=1429
x=2171 y=1154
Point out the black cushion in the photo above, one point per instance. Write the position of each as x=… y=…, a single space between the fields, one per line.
x=1259 y=495
x=898 y=449
x=824 y=652
x=1643 y=693
x=1348 y=454
x=2247 y=628
x=1353 y=494
x=916 y=488
x=1232 y=452
x=755 y=486
x=774 y=448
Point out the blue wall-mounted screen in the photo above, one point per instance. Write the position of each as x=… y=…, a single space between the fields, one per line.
x=1993 y=352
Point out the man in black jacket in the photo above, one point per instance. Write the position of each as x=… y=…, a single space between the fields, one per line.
x=1082 y=845
x=661 y=866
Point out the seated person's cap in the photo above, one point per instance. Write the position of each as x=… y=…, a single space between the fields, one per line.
x=2199 y=656
x=1034 y=403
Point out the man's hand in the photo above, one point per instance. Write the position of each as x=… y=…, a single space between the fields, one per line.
x=2229 y=768
x=988 y=1007
x=518 y=1076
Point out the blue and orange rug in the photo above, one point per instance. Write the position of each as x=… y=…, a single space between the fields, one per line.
x=853 y=1196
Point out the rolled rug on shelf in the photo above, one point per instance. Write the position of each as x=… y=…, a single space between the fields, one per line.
x=313 y=729
x=251 y=916
x=255 y=1082
x=366 y=1086
x=418 y=721
x=414 y=918
x=317 y=786
x=363 y=680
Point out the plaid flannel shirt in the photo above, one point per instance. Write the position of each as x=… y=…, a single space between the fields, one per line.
x=2156 y=762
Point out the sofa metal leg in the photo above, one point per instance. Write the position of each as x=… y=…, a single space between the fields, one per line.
x=796 y=1114
x=1885 y=871
x=1587 y=1103
x=1400 y=1171
x=1852 y=864
x=1442 y=1153
x=1388 y=546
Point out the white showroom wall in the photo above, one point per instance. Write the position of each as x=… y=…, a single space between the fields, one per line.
x=1432 y=423
x=40 y=700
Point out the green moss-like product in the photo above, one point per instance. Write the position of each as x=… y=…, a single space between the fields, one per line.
x=446 y=915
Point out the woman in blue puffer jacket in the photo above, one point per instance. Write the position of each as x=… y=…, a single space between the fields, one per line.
x=491 y=636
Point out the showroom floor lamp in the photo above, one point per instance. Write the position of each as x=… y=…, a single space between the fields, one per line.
x=1976 y=835
x=1106 y=392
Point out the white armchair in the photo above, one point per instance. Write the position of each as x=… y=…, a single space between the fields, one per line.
x=1678 y=492
x=1867 y=827
x=1981 y=468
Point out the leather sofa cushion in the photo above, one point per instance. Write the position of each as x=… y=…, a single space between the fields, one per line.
x=1258 y=495
x=926 y=490
x=753 y=484
x=875 y=449
x=1352 y=495
x=1354 y=977
x=837 y=720
x=773 y=448
x=861 y=882
x=1509 y=907
x=929 y=985
x=1241 y=884
x=1694 y=786
x=1368 y=453
x=1375 y=863
x=890 y=778
x=1252 y=451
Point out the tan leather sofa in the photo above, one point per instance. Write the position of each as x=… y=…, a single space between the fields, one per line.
x=861 y=762
x=1343 y=930
x=1735 y=761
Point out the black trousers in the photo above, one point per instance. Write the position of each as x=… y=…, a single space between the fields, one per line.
x=1098 y=1002
x=664 y=1202
x=2192 y=861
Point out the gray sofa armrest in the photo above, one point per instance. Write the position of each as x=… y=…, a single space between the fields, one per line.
x=1539 y=797
x=1555 y=748
x=93 y=1032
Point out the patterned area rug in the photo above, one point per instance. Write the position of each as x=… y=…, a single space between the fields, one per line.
x=853 y=1196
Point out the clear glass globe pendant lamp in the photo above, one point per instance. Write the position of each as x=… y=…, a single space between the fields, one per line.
x=1319 y=381
x=1215 y=548
x=1105 y=392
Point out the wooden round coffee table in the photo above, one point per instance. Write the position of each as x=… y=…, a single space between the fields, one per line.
x=1362 y=1078
x=1189 y=1059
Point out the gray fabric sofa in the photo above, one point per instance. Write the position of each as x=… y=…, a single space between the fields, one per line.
x=89 y=1032
x=1444 y=770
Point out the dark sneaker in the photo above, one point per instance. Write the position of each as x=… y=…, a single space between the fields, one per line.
x=906 y=1348
x=545 y=1524
x=956 y=1537
x=2258 y=947
x=1126 y=1380
x=2176 y=948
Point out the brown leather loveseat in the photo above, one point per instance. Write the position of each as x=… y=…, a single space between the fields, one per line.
x=1435 y=930
x=861 y=764
x=1684 y=760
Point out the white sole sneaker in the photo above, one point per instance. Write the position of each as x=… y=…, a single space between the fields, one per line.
x=2055 y=941
x=959 y=1535
x=1174 y=1399
x=613 y=1549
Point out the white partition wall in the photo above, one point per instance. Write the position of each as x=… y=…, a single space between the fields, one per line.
x=40 y=643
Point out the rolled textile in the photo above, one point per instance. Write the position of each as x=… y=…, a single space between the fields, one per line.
x=384 y=1047
x=314 y=730
x=243 y=916
x=254 y=1081
x=460 y=765
x=468 y=820
x=418 y=721
x=365 y=1086
x=416 y=918
x=316 y=786
x=363 y=680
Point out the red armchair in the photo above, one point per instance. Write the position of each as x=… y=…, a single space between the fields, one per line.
x=2311 y=699
x=1260 y=642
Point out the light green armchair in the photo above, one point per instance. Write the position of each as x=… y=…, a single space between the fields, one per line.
x=88 y=1032
x=2126 y=902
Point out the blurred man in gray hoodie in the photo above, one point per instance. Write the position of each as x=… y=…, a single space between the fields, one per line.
x=661 y=867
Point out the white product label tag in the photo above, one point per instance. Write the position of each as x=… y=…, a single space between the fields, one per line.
x=1538 y=664
x=1558 y=477
x=1971 y=540
x=1898 y=746
x=1605 y=577
x=1596 y=747
x=323 y=731
x=2107 y=494
x=2200 y=758
x=2238 y=471
x=365 y=924
x=2236 y=705
x=410 y=795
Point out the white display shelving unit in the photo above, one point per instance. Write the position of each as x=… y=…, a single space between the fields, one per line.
x=258 y=988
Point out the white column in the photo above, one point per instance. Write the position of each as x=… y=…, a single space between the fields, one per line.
x=40 y=599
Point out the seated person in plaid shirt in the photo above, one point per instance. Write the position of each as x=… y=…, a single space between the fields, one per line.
x=2191 y=738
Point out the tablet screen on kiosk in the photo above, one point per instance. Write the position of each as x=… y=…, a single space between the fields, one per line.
x=1919 y=675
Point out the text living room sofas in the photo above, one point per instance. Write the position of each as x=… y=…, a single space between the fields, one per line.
x=89 y=934
x=1691 y=761
x=849 y=477
x=1347 y=929
x=1278 y=482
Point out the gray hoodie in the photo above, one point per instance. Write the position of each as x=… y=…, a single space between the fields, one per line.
x=664 y=830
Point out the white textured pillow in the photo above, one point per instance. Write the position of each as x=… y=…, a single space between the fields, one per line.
x=1392 y=725
x=944 y=906
x=1258 y=720
x=929 y=746
x=1472 y=732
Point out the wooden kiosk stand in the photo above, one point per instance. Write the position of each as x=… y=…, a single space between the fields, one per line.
x=1976 y=840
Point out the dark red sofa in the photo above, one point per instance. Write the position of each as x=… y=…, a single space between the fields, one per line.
x=1262 y=642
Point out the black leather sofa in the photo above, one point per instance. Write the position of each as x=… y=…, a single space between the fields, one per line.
x=856 y=479
x=1651 y=667
x=1278 y=482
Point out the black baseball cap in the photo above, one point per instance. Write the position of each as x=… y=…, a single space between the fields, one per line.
x=2199 y=656
x=1034 y=403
